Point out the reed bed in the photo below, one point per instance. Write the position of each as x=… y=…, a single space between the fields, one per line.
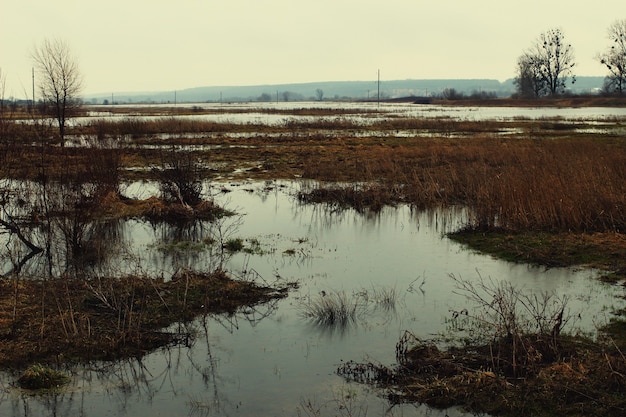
x=142 y=127
x=566 y=185
x=174 y=124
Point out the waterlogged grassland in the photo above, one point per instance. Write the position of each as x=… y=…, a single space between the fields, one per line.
x=556 y=179
x=550 y=191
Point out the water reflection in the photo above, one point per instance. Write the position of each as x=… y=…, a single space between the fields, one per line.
x=394 y=266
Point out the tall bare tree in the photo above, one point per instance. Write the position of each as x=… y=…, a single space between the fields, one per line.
x=614 y=58
x=528 y=79
x=551 y=60
x=60 y=81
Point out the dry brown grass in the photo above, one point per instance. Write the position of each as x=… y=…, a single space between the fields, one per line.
x=547 y=177
x=566 y=185
x=586 y=380
x=556 y=180
x=76 y=319
x=514 y=361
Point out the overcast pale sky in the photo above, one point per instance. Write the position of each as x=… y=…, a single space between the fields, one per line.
x=161 y=45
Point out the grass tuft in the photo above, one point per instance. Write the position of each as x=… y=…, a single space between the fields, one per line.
x=38 y=377
x=333 y=309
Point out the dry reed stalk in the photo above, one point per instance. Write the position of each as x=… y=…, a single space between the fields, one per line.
x=569 y=185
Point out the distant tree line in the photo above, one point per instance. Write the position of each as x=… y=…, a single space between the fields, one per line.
x=546 y=68
x=291 y=96
x=454 y=94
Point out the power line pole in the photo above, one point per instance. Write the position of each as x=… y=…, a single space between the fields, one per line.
x=378 y=88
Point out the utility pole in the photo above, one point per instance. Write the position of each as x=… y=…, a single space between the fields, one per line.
x=33 y=88
x=379 y=88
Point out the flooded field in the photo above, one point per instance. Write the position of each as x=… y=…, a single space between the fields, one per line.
x=278 y=112
x=272 y=360
x=392 y=265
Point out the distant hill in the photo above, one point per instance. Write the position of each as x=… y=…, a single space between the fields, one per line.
x=332 y=90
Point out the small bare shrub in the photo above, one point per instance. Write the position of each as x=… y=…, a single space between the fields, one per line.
x=180 y=177
x=520 y=329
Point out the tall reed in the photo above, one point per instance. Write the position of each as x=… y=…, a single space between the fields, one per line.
x=549 y=185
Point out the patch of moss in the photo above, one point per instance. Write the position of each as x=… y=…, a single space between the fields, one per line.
x=234 y=245
x=38 y=377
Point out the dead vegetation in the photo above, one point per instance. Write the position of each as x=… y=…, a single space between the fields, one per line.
x=575 y=185
x=102 y=318
x=546 y=191
x=515 y=360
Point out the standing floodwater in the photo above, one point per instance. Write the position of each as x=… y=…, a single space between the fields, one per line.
x=393 y=267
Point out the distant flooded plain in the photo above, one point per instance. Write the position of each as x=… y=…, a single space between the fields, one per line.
x=396 y=268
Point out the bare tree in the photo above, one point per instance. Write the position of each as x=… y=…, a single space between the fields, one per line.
x=550 y=61
x=614 y=58
x=319 y=93
x=60 y=80
x=528 y=80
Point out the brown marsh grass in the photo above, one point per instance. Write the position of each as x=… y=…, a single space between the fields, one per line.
x=140 y=128
x=546 y=179
x=100 y=318
x=566 y=185
x=515 y=361
x=549 y=176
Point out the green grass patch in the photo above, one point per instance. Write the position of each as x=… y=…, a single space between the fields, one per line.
x=182 y=246
x=39 y=377
x=606 y=251
x=234 y=245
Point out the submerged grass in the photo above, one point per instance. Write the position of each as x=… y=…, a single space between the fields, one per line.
x=331 y=309
x=336 y=310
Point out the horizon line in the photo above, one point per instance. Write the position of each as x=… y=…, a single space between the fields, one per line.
x=160 y=91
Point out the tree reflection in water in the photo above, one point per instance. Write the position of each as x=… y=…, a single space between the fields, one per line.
x=126 y=386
